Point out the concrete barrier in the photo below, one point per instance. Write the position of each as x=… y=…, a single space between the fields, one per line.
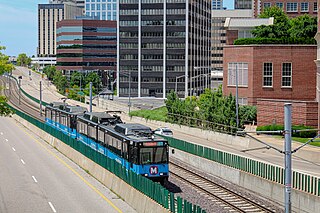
x=301 y=202
x=136 y=199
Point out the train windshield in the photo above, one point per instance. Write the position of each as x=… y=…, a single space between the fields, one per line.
x=153 y=155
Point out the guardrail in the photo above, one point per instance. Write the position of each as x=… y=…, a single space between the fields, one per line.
x=303 y=182
x=153 y=190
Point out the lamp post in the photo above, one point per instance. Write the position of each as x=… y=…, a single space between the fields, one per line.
x=176 y=85
x=201 y=74
x=40 y=98
x=20 y=77
x=205 y=75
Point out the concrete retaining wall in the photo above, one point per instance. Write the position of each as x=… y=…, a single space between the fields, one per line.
x=301 y=202
x=133 y=197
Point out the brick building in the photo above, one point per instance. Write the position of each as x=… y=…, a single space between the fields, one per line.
x=270 y=71
x=291 y=8
x=86 y=45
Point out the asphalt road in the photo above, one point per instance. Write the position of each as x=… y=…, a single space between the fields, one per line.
x=34 y=177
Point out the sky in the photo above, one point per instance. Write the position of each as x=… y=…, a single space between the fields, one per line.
x=19 y=25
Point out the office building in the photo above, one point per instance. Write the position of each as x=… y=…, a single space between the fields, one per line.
x=163 y=46
x=217 y=4
x=291 y=8
x=102 y=9
x=86 y=46
x=218 y=33
x=243 y=4
x=48 y=16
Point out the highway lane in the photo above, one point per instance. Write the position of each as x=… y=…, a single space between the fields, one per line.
x=35 y=177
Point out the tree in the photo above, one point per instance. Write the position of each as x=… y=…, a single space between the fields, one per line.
x=5 y=67
x=280 y=25
x=76 y=78
x=23 y=60
x=304 y=26
x=95 y=79
x=60 y=81
x=49 y=71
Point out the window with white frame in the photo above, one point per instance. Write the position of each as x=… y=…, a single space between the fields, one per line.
x=242 y=70
x=279 y=4
x=266 y=5
x=286 y=74
x=267 y=74
x=304 y=6
x=315 y=6
x=292 y=7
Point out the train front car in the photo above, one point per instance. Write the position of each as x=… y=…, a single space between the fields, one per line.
x=63 y=117
x=147 y=153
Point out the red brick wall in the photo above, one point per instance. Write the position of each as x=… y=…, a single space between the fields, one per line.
x=231 y=36
x=290 y=14
x=272 y=112
x=303 y=71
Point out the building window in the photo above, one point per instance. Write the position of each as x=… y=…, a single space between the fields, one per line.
x=267 y=74
x=286 y=74
x=280 y=5
x=304 y=6
x=315 y=7
x=266 y=5
x=242 y=69
x=292 y=7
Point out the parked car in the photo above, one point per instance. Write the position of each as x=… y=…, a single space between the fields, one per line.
x=164 y=131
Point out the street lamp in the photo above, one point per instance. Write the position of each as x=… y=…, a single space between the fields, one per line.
x=176 y=85
x=20 y=77
x=201 y=74
x=205 y=75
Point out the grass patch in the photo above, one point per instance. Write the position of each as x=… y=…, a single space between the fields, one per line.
x=302 y=140
x=159 y=114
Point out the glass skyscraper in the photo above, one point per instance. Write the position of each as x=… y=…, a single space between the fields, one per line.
x=102 y=9
x=217 y=4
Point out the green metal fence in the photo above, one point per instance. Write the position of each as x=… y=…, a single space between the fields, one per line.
x=303 y=182
x=153 y=190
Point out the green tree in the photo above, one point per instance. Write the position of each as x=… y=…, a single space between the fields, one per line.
x=76 y=78
x=73 y=93
x=280 y=25
x=95 y=79
x=5 y=67
x=60 y=81
x=23 y=60
x=304 y=26
x=50 y=71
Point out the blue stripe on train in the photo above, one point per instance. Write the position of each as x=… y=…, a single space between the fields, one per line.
x=152 y=170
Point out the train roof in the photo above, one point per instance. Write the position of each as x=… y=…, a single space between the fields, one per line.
x=75 y=109
x=68 y=109
x=101 y=118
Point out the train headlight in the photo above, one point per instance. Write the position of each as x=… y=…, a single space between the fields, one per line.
x=146 y=175
x=161 y=174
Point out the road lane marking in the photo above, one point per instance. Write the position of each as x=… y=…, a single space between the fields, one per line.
x=35 y=180
x=7 y=140
x=13 y=149
x=74 y=171
x=52 y=207
x=1 y=133
x=23 y=162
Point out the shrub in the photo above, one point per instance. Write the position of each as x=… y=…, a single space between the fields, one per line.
x=274 y=127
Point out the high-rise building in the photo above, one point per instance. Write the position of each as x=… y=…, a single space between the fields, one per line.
x=163 y=46
x=217 y=4
x=48 y=16
x=86 y=45
x=243 y=4
x=102 y=9
x=218 y=35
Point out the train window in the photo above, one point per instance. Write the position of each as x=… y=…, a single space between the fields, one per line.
x=145 y=156
x=125 y=150
x=92 y=131
x=153 y=155
x=63 y=119
x=101 y=136
x=58 y=117
x=53 y=117
x=108 y=140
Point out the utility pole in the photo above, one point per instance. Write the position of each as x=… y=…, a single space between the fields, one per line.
x=129 y=105
x=90 y=108
x=20 y=77
x=40 y=98
x=288 y=153
x=237 y=104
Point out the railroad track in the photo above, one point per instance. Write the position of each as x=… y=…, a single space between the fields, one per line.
x=26 y=105
x=222 y=196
